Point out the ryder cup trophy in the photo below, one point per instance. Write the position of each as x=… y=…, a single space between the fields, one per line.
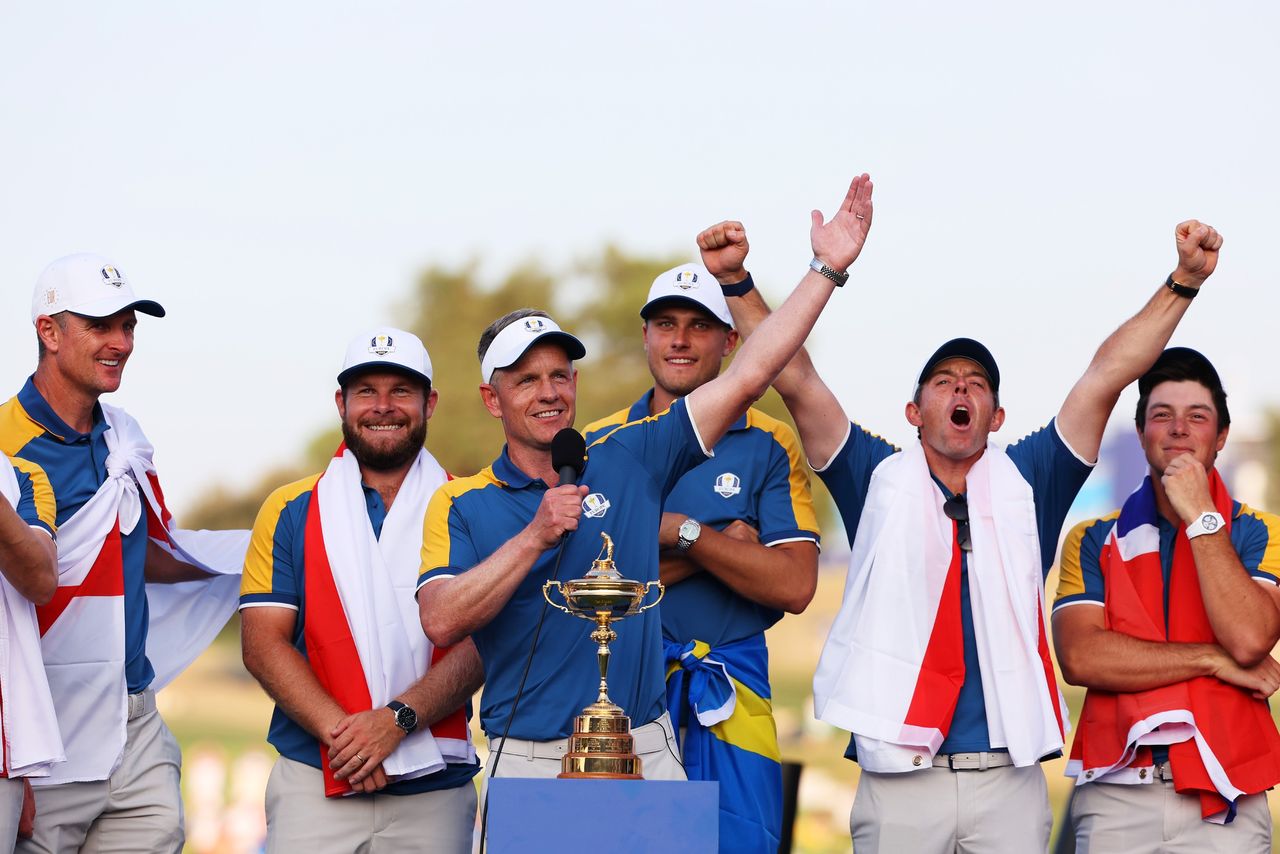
x=601 y=745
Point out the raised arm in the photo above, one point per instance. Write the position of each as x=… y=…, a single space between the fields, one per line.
x=715 y=405
x=453 y=607
x=820 y=419
x=1134 y=347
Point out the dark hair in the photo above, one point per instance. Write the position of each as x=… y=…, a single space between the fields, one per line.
x=491 y=331
x=1182 y=364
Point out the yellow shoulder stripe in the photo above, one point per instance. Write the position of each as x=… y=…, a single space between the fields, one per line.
x=259 y=561
x=798 y=477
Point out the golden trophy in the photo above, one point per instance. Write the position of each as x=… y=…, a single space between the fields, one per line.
x=601 y=745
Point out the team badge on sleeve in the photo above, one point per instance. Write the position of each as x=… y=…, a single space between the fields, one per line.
x=728 y=485
x=595 y=505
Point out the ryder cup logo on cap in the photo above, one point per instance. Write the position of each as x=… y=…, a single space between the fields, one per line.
x=690 y=285
x=386 y=349
x=511 y=342
x=87 y=285
x=381 y=345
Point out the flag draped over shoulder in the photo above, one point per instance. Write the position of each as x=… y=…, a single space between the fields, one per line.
x=363 y=636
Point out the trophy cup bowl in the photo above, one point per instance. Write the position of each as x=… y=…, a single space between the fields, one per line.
x=601 y=746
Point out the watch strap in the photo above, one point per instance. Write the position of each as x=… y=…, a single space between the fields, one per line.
x=822 y=269
x=1180 y=289
x=738 y=289
x=1208 y=523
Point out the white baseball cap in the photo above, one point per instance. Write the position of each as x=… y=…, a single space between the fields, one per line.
x=386 y=348
x=692 y=284
x=89 y=285
x=518 y=336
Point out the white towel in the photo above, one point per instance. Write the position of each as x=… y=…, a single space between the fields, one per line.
x=870 y=664
x=376 y=578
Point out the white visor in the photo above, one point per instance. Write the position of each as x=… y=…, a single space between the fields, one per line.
x=517 y=337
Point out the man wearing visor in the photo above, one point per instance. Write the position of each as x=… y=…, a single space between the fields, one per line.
x=492 y=539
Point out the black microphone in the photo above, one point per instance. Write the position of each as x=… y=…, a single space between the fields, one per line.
x=568 y=455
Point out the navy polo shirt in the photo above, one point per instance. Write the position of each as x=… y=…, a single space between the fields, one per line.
x=757 y=475
x=72 y=466
x=629 y=473
x=274 y=577
x=1055 y=475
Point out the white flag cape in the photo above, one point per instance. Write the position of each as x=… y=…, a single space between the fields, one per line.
x=27 y=721
x=376 y=578
x=83 y=647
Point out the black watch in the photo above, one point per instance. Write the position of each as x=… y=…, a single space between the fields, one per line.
x=406 y=717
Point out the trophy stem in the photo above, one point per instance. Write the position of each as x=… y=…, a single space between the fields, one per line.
x=603 y=635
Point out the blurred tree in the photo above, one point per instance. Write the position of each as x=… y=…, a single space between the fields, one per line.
x=1271 y=444
x=597 y=298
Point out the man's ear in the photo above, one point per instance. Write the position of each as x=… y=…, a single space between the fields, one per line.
x=997 y=419
x=913 y=414
x=489 y=396
x=340 y=399
x=432 y=399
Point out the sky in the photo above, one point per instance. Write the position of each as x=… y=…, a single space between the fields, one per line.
x=276 y=175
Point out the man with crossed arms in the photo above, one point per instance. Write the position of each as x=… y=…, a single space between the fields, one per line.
x=491 y=539
x=1167 y=611
x=739 y=545
x=955 y=529
x=370 y=721
x=29 y=738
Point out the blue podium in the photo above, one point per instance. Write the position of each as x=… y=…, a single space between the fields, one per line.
x=594 y=816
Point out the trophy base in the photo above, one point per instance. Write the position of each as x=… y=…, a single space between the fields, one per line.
x=601 y=747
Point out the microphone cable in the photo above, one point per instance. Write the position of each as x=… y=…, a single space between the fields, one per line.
x=568 y=452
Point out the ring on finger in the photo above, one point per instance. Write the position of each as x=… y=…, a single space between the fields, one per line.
x=360 y=758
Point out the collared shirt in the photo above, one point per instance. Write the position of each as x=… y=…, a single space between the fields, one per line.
x=71 y=466
x=274 y=577
x=1055 y=475
x=629 y=473
x=1255 y=535
x=758 y=476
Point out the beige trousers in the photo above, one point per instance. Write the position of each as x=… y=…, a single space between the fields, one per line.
x=940 y=811
x=1153 y=818
x=138 y=808
x=301 y=820
x=10 y=811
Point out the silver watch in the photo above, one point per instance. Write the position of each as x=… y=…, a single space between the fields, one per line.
x=1208 y=523
x=690 y=530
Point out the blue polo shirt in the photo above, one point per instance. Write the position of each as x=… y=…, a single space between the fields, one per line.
x=72 y=466
x=757 y=475
x=1055 y=475
x=274 y=577
x=1255 y=535
x=629 y=472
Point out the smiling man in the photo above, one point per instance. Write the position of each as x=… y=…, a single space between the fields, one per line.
x=369 y=719
x=947 y=687
x=1167 y=611
x=118 y=788
x=739 y=542
x=491 y=539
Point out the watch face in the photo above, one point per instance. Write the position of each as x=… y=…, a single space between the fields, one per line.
x=690 y=529
x=406 y=718
x=1209 y=522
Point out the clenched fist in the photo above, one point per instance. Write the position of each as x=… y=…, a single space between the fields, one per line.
x=724 y=250
x=1198 y=246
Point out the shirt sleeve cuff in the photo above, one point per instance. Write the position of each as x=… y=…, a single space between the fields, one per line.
x=435 y=575
x=268 y=600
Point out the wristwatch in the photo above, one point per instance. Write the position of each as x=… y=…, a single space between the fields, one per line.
x=1208 y=523
x=690 y=530
x=835 y=276
x=406 y=717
